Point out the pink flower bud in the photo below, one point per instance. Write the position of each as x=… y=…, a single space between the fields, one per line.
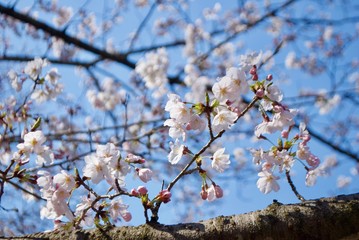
x=131 y=158
x=142 y=190
x=255 y=77
x=204 y=194
x=253 y=70
x=134 y=192
x=229 y=103
x=218 y=191
x=165 y=196
x=126 y=216
x=285 y=134
x=260 y=93
x=145 y=174
x=269 y=77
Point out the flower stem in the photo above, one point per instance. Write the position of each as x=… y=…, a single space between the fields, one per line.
x=294 y=189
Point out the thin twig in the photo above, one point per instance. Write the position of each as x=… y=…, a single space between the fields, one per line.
x=294 y=189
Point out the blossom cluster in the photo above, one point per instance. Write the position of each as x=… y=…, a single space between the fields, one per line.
x=105 y=164
x=219 y=114
x=57 y=191
x=108 y=97
x=49 y=88
x=271 y=101
x=153 y=69
x=282 y=158
x=33 y=143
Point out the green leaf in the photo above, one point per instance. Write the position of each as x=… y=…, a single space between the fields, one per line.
x=36 y=125
x=199 y=108
x=215 y=103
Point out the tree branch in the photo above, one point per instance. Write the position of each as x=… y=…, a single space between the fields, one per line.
x=313 y=219
x=26 y=58
x=120 y=58
x=332 y=145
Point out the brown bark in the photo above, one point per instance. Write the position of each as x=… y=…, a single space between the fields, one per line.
x=325 y=218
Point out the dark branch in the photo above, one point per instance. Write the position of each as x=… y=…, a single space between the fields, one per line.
x=22 y=58
x=332 y=145
x=120 y=58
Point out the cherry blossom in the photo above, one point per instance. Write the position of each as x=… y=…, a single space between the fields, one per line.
x=265 y=127
x=224 y=119
x=117 y=209
x=247 y=61
x=64 y=15
x=173 y=99
x=55 y=196
x=109 y=153
x=229 y=87
x=64 y=180
x=130 y=120
x=238 y=76
x=180 y=112
x=52 y=76
x=34 y=68
x=204 y=193
x=14 y=80
x=177 y=151
x=164 y=196
x=267 y=182
x=95 y=168
x=220 y=161
x=285 y=160
x=87 y=218
x=196 y=123
x=44 y=180
x=145 y=174
x=176 y=130
x=274 y=94
x=222 y=90
x=153 y=68
x=326 y=104
x=46 y=156
x=214 y=192
x=256 y=155
x=131 y=158
x=32 y=142
x=142 y=190
x=108 y=97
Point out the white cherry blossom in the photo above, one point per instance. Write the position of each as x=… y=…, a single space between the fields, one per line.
x=176 y=152
x=14 y=80
x=224 y=119
x=181 y=113
x=33 y=68
x=153 y=70
x=33 y=142
x=176 y=130
x=267 y=182
x=118 y=208
x=220 y=161
x=145 y=174
x=64 y=180
x=95 y=168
